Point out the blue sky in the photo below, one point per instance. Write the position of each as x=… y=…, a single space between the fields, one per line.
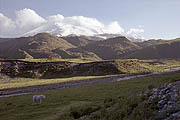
x=158 y=18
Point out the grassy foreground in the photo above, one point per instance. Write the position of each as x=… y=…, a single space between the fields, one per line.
x=93 y=100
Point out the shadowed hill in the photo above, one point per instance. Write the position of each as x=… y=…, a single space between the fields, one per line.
x=166 y=49
x=150 y=42
x=4 y=39
x=78 y=40
x=112 y=48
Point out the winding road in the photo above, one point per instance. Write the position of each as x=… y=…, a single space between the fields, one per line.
x=43 y=88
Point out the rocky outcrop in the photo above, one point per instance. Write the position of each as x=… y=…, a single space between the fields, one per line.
x=166 y=100
x=96 y=68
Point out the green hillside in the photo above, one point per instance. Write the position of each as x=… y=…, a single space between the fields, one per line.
x=107 y=101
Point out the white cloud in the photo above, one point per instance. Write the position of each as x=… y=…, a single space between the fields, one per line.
x=135 y=33
x=56 y=18
x=6 y=26
x=28 y=22
x=76 y=25
x=114 y=28
x=28 y=19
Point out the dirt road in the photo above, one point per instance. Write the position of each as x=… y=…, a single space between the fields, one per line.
x=35 y=89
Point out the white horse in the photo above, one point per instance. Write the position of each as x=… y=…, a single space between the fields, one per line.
x=37 y=98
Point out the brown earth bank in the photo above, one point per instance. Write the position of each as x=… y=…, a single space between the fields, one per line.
x=18 y=68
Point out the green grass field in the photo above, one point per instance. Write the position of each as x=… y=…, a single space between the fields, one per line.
x=70 y=103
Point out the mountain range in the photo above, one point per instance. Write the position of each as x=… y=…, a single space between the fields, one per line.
x=45 y=45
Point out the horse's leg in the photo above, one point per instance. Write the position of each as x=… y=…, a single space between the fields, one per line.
x=33 y=101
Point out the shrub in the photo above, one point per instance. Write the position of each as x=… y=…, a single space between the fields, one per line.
x=78 y=112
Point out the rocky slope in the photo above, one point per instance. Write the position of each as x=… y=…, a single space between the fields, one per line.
x=166 y=100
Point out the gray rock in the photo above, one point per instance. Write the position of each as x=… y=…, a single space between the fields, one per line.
x=169 y=101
